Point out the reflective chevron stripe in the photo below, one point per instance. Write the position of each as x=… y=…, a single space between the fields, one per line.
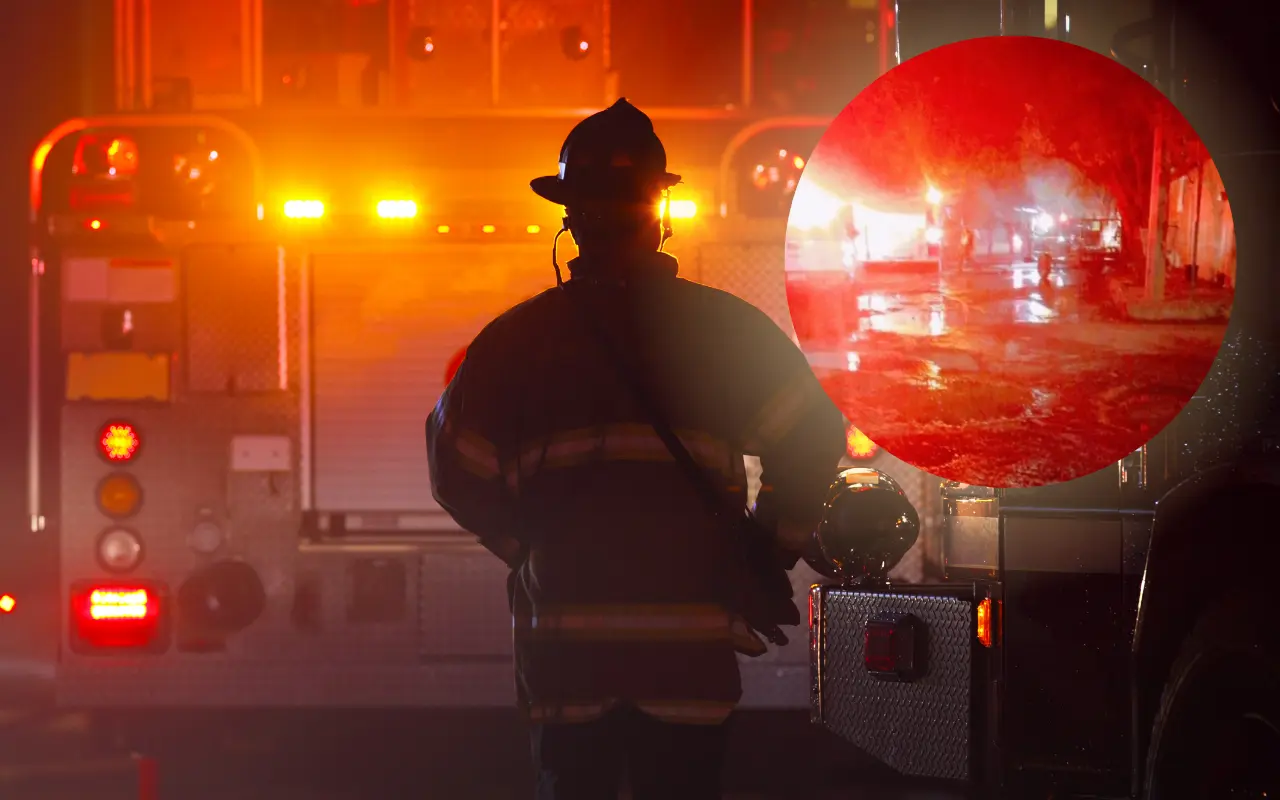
x=622 y=442
x=702 y=622
x=679 y=712
x=781 y=413
x=477 y=455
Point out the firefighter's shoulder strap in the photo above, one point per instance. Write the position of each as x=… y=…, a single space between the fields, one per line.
x=760 y=613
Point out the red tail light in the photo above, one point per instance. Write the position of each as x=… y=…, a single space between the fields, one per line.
x=118 y=616
x=894 y=647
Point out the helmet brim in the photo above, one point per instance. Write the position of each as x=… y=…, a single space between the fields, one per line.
x=560 y=192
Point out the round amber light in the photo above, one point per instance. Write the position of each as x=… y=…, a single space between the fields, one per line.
x=119 y=496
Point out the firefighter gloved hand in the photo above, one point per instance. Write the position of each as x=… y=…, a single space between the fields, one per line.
x=745 y=640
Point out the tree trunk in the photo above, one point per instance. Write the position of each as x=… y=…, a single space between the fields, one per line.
x=1132 y=251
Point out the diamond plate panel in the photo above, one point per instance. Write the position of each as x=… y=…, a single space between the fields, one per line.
x=920 y=728
x=750 y=271
x=236 y=327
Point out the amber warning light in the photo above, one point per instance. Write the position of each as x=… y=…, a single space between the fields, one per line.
x=858 y=445
x=985 y=622
x=119 y=442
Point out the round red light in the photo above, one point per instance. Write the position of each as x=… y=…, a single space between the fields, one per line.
x=119 y=441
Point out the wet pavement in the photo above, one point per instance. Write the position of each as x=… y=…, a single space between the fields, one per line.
x=992 y=376
x=390 y=754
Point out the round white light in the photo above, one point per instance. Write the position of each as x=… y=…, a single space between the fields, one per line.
x=119 y=550
x=205 y=537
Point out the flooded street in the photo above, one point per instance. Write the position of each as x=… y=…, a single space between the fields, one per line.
x=993 y=376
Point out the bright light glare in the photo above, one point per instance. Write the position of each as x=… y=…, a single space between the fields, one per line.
x=442 y=229
x=1017 y=242
x=934 y=195
x=858 y=445
x=680 y=209
x=303 y=209
x=533 y=229
x=933 y=235
x=1044 y=221
x=888 y=235
x=812 y=206
x=397 y=209
x=488 y=229
x=7 y=603
x=111 y=604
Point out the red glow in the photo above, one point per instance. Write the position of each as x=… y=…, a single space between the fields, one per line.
x=859 y=446
x=102 y=157
x=115 y=615
x=119 y=441
x=451 y=368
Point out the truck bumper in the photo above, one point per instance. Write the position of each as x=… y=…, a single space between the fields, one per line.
x=939 y=723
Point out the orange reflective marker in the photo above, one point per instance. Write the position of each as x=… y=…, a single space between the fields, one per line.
x=984 y=622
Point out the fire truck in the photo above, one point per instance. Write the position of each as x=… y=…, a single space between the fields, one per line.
x=1109 y=636
x=250 y=280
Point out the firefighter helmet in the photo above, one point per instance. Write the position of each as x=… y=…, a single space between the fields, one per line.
x=868 y=525
x=612 y=155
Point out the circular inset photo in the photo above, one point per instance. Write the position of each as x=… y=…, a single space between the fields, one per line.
x=1010 y=261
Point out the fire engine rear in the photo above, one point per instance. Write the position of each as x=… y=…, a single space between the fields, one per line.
x=240 y=321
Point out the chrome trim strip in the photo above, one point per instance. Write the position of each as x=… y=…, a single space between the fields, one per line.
x=33 y=395
x=305 y=477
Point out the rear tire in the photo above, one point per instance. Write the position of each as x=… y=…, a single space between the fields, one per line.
x=1217 y=731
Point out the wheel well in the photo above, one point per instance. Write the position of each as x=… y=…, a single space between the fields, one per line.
x=1213 y=545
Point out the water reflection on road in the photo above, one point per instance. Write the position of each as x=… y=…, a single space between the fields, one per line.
x=937 y=306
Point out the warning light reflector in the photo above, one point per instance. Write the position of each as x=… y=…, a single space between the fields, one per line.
x=893 y=647
x=119 y=441
x=397 y=209
x=7 y=603
x=119 y=495
x=984 y=622
x=113 y=615
x=303 y=209
x=859 y=446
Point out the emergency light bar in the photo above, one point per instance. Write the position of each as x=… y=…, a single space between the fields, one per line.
x=303 y=209
x=397 y=209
